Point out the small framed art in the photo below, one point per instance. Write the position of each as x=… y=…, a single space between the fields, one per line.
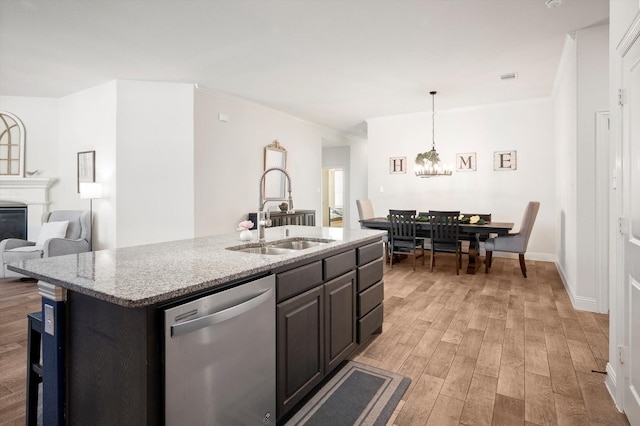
x=86 y=167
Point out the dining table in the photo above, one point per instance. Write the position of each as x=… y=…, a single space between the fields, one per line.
x=472 y=230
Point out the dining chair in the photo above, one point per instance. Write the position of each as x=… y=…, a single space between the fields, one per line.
x=403 y=236
x=514 y=243
x=365 y=211
x=445 y=235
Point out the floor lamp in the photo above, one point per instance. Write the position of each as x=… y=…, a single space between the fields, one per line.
x=91 y=191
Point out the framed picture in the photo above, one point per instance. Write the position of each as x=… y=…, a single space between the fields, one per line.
x=466 y=162
x=86 y=167
x=397 y=165
x=505 y=160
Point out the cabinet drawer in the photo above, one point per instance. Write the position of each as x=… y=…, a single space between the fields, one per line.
x=369 y=274
x=369 y=298
x=298 y=280
x=370 y=252
x=337 y=265
x=369 y=323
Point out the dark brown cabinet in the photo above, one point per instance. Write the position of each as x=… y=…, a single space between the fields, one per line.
x=325 y=308
x=339 y=319
x=370 y=290
x=300 y=347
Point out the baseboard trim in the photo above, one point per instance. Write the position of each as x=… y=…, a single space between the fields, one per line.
x=579 y=302
x=543 y=257
x=611 y=384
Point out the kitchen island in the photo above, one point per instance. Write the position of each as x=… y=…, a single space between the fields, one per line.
x=103 y=310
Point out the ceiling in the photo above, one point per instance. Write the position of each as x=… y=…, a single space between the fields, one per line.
x=332 y=62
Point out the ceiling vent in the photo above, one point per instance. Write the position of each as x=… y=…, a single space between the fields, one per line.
x=509 y=76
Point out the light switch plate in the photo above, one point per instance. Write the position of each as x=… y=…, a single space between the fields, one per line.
x=48 y=320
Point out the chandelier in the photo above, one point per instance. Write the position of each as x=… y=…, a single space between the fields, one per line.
x=428 y=163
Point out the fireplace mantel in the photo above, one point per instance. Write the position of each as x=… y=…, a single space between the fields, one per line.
x=18 y=182
x=34 y=192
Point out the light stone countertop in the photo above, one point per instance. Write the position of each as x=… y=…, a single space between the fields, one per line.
x=149 y=274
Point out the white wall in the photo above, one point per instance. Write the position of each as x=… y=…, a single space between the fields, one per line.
x=154 y=162
x=142 y=133
x=229 y=159
x=566 y=111
x=359 y=166
x=169 y=168
x=88 y=123
x=526 y=127
x=581 y=90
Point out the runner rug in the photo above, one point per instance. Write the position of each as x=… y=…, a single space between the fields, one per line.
x=357 y=395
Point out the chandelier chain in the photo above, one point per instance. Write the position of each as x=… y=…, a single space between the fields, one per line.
x=433 y=120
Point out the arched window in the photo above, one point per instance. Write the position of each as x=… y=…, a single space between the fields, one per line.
x=11 y=145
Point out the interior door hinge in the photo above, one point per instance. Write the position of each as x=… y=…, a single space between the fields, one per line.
x=620 y=100
x=622 y=225
x=622 y=353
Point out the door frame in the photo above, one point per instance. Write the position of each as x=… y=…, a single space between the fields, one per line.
x=602 y=196
x=325 y=193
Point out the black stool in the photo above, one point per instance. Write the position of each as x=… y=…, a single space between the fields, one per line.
x=34 y=369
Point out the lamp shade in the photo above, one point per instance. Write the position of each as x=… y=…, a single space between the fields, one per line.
x=90 y=190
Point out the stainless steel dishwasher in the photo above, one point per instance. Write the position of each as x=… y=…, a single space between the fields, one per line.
x=220 y=357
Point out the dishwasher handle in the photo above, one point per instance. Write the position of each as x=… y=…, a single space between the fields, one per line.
x=220 y=316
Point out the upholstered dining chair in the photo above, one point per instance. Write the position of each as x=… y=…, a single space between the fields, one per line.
x=514 y=243
x=445 y=235
x=63 y=232
x=403 y=236
x=365 y=211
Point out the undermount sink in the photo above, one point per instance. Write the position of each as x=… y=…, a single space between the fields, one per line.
x=281 y=247
x=297 y=244
x=264 y=250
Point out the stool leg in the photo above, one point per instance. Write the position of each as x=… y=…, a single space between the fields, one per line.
x=33 y=378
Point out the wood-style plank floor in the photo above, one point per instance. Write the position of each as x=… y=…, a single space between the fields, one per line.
x=17 y=299
x=480 y=349
x=491 y=349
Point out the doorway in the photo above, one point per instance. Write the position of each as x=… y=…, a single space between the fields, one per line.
x=333 y=197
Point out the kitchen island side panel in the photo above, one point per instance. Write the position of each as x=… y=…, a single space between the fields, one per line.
x=114 y=374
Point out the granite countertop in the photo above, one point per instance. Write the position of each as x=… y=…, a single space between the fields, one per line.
x=149 y=274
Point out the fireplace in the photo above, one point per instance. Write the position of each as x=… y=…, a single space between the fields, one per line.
x=32 y=192
x=13 y=220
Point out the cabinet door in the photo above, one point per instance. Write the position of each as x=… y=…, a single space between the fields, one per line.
x=300 y=347
x=340 y=318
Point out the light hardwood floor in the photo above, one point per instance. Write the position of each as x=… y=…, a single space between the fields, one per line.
x=492 y=348
x=480 y=349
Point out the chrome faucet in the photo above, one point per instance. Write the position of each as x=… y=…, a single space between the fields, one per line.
x=263 y=217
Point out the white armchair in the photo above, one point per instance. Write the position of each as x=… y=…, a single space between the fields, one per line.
x=77 y=239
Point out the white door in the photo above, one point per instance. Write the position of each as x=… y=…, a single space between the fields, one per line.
x=631 y=227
